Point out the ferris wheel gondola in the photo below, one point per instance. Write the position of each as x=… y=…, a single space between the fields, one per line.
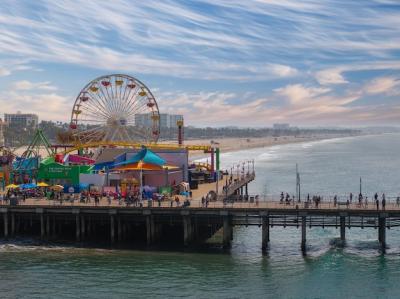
x=108 y=109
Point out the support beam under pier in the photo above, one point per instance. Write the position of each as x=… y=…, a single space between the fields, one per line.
x=149 y=230
x=12 y=224
x=227 y=232
x=77 y=227
x=112 y=229
x=303 y=233
x=382 y=231
x=5 y=219
x=342 y=228
x=187 y=230
x=265 y=233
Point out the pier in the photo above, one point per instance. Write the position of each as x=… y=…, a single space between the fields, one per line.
x=184 y=226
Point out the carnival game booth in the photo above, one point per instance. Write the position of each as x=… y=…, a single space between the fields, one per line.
x=55 y=173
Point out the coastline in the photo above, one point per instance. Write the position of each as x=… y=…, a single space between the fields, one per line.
x=228 y=145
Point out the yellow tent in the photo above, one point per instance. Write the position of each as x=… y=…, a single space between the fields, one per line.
x=12 y=186
x=42 y=184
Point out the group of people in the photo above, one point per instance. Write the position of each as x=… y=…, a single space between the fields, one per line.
x=14 y=196
x=362 y=201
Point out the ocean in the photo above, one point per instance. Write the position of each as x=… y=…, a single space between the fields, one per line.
x=29 y=269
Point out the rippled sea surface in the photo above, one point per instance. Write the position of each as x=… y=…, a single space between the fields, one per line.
x=31 y=270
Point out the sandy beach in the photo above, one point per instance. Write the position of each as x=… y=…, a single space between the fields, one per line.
x=236 y=144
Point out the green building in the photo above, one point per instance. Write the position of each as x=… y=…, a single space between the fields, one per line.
x=56 y=173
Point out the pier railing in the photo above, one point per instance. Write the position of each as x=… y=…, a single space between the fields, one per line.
x=253 y=202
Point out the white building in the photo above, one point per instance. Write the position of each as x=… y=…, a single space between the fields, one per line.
x=166 y=120
x=21 y=120
x=281 y=126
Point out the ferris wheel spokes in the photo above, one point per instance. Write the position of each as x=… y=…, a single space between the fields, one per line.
x=106 y=110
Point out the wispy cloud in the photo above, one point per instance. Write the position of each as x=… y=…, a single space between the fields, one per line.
x=300 y=60
x=27 y=85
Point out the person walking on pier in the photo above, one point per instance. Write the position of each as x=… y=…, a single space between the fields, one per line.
x=282 y=196
x=360 y=198
x=376 y=196
x=383 y=201
x=335 y=200
x=351 y=197
x=398 y=201
x=366 y=202
x=377 y=204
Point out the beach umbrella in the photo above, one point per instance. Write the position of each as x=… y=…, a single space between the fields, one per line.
x=12 y=186
x=57 y=187
x=42 y=184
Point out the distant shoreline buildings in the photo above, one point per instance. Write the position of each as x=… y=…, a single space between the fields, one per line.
x=21 y=120
x=167 y=121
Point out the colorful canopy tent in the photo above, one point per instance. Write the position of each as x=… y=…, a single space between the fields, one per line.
x=145 y=158
x=28 y=186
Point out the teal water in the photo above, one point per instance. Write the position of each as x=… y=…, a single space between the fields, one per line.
x=357 y=271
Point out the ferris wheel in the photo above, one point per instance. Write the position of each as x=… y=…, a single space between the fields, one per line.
x=115 y=108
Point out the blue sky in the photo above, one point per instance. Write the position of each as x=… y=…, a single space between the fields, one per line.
x=219 y=62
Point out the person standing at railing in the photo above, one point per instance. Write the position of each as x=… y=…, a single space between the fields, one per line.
x=351 y=197
x=377 y=204
x=366 y=202
x=398 y=201
x=334 y=201
x=383 y=201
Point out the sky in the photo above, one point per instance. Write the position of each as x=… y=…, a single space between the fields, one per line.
x=218 y=62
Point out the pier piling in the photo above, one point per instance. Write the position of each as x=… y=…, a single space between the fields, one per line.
x=303 y=232
x=83 y=227
x=148 y=230
x=227 y=232
x=13 y=224
x=342 y=228
x=187 y=230
x=265 y=232
x=5 y=219
x=47 y=226
x=119 y=229
x=77 y=227
x=382 y=230
x=112 y=229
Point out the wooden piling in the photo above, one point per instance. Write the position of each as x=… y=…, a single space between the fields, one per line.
x=83 y=227
x=12 y=224
x=77 y=228
x=5 y=219
x=303 y=233
x=265 y=232
x=227 y=232
x=342 y=228
x=382 y=230
x=112 y=229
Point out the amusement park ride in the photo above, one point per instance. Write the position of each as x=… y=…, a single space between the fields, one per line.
x=103 y=116
x=106 y=108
